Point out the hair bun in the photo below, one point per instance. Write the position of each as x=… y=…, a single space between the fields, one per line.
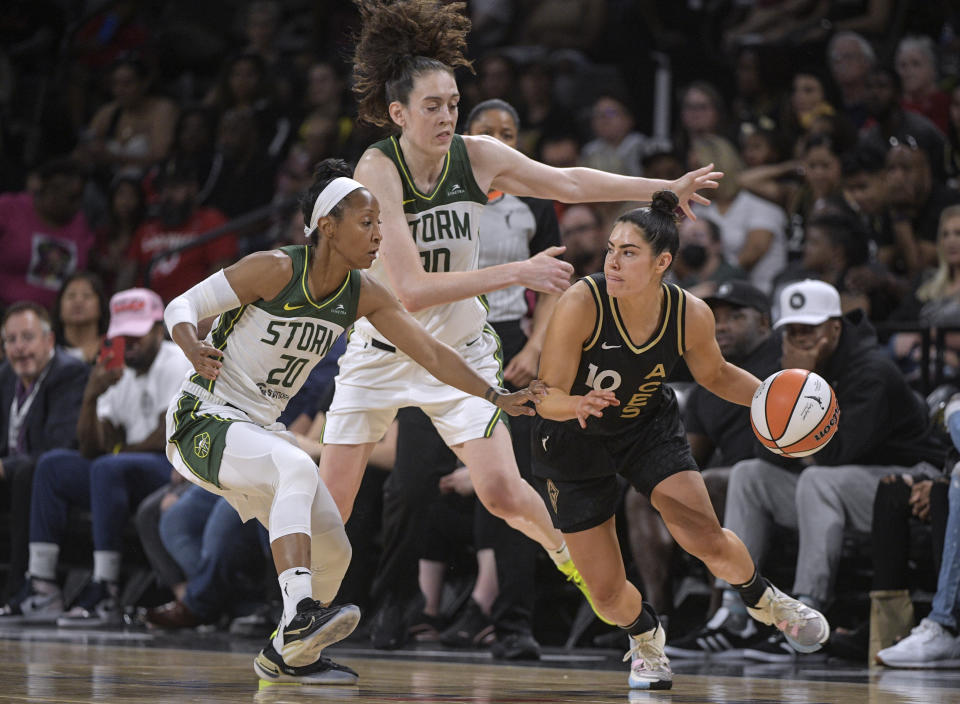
x=665 y=202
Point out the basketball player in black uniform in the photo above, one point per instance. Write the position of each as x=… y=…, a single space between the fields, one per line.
x=609 y=350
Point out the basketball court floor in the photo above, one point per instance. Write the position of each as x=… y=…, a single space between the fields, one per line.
x=53 y=665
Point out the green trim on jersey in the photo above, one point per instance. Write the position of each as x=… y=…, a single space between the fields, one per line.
x=293 y=301
x=205 y=437
x=499 y=414
x=456 y=177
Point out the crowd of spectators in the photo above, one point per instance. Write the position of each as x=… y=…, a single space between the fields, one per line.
x=145 y=145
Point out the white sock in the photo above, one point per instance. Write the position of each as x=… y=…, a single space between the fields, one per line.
x=106 y=566
x=295 y=586
x=560 y=555
x=43 y=561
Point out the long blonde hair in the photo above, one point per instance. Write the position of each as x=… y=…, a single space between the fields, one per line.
x=936 y=287
x=710 y=148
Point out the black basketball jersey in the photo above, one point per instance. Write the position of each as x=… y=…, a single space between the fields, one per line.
x=635 y=372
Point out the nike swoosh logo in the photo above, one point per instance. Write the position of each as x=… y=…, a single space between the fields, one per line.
x=605 y=346
x=287 y=306
x=288 y=633
x=300 y=572
x=543 y=440
x=409 y=201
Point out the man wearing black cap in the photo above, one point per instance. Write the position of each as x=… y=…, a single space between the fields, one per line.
x=718 y=431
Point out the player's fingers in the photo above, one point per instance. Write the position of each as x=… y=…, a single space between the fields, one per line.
x=554 y=251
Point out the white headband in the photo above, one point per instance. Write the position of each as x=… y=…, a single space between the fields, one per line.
x=338 y=189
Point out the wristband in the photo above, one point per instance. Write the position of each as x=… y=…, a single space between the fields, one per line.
x=492 y=394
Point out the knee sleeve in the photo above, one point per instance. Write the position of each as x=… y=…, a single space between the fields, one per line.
x=295 y=491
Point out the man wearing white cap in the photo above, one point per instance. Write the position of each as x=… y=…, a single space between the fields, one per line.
x=884 y=429
x=120 y=461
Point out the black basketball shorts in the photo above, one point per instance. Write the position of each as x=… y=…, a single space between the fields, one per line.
x=577 y=474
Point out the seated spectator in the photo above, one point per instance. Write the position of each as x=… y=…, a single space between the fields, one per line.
x=180 y=221
x=885 y=429
x=900 y=502
x=953 y=138
x=699 y=265
x=936 y=302
x=752 y=229
x=889 y=119
x=582 y=233
x=702 y=114
x=850 y=58
x=316 y=141
x=245 y=83
x=80 y=316
x=615 y=146
x=801 y=187
x=808 y=102
x=915 y=198
x=760 y=143
x=246 y=180
x=934 y=642
x=718 y=432
x=40 y=394
x=126 y=210
x=916 y=63
x=135 y=129
x=834 y=245
x=213 y=547
x=44 y=236
x=121 y=433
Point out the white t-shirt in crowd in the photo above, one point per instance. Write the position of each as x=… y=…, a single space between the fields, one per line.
x=136 y=403
x=747 y=213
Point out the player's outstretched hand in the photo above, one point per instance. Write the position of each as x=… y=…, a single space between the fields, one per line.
x=515 y=404
x=545 y=273
x=205 y=359
x=593 y=404
x=686 y=187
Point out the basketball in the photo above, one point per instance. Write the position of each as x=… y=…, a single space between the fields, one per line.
x=794 y=413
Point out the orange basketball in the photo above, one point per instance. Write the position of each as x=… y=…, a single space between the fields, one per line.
x=794 y=412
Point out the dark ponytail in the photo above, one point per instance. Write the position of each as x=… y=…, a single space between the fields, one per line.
x=324 y=172
x=658 y=222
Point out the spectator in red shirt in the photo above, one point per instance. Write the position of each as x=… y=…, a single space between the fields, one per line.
x=44 y=237
x=179 y=221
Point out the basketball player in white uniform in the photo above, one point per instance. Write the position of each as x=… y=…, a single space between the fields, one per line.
x=278 y=315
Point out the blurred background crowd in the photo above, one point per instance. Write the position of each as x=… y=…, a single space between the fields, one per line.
x=144 y=145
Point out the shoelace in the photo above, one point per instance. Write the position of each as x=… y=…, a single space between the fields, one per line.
x=642 y=650
x=797 y=615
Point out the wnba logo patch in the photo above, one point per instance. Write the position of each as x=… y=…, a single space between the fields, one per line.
x=554 y=493
x=201 y=445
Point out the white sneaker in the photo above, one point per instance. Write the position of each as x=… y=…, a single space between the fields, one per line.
x=649 y=666
x=929 y=646
x=805 y=628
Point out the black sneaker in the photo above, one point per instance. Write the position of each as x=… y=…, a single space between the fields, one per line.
x=716 y=640
x=270 y=667
x=387 y=630
x=851 y=645
x=97 y=605
x=314 y=627
x=773 y=649
x=473 y=628
x=515 y=646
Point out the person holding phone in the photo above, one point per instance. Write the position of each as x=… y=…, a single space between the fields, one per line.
x=119 y=462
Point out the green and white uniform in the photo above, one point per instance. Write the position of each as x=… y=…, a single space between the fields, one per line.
x=376 y=379
x=269 y=349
